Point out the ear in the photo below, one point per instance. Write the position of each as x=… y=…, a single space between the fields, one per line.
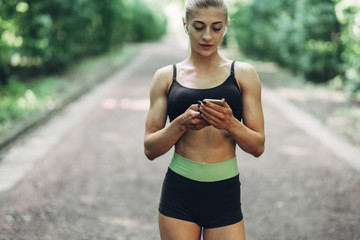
x=185 y=26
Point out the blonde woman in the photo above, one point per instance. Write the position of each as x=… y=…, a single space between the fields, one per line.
x=213 y=104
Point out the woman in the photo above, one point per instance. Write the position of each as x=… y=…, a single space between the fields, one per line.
x=201 y=190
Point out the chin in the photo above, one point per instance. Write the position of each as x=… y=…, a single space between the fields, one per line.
x=206 y=53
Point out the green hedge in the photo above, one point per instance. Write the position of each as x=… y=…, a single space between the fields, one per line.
x=317 y=38
x=41 y=37
x=348 y=14
x=301 y=35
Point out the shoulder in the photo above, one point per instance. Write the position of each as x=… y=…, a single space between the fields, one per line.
x=164 y=72
x=243 y=69
x=246 y=75
x=163 y=78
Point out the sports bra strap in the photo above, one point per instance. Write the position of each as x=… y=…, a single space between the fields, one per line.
x=174 y=72
x=232 y=71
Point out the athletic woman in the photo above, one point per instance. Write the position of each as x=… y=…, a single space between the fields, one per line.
x=201 y=190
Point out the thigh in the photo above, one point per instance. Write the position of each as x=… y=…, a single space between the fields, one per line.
x=176 y=229
x=231 y=232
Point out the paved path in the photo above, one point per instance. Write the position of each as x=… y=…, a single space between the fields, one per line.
x=84 y=175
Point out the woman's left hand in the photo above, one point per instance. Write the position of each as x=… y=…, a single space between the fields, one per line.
x=219 y=116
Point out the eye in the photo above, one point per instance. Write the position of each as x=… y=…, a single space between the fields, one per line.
x=217 y=29
x=198 y=28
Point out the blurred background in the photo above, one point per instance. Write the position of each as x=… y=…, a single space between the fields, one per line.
x=84 y=175
x=51 y=49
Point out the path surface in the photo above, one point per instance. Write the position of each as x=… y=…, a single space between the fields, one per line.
x=84 y=176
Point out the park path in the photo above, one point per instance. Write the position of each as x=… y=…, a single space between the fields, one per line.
x=84 y=176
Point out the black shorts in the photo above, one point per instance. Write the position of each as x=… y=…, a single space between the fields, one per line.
x=208 y=204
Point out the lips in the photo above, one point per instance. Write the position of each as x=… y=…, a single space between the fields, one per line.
x=206 y=46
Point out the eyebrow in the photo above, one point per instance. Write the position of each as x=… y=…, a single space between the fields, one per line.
x=198 y=21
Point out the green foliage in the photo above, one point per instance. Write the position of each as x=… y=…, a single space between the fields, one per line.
x=317 y=38
x=42 y=37
x=301 y=35
x=348 y=14
x=19 y=99
x=147 y=27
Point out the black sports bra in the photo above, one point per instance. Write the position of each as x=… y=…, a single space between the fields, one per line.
x=180 y=97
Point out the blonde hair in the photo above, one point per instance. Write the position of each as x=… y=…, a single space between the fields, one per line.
x=192 y=5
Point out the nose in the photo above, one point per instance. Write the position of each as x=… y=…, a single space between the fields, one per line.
x=207 y=35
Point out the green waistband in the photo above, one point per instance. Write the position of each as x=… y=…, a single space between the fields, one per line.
x=204 y=172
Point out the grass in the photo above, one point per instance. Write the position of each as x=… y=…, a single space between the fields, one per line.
x=19 y=100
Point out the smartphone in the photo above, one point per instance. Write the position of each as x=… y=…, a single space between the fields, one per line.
x=216 y=101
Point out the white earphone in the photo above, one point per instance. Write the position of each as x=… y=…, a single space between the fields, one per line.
x=225 y=31
x=186 y=31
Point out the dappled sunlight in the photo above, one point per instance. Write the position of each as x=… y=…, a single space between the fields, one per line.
x=109 y=136
x=357 y=113
x=338 y=120
x=173 y=11
x=315 y=94
x=295 y=94
x=126 y=103
x=293 y=150
x=109 y=103
x=331 y=96
x=135 y=104
x=124 y=222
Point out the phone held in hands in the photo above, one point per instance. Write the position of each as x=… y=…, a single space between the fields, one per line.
x=216 y=101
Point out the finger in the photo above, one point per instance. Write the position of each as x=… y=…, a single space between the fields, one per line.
x=212 y=113
x=198 y=120
x=225 y=104
x=193 y=112
x=211 y=105
x=212 y=122
x=200 y=123
x=212 y=118
x=194 y=107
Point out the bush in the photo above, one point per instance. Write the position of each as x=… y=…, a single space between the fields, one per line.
x=42 y=37
x=348 y=14
x=301 y=35
x=144 y=24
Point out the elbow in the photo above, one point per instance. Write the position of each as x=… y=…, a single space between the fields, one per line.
x=148 y=151
x=149 y=155
x=259 y=150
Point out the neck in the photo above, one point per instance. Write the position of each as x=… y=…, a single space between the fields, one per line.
x=205 y=61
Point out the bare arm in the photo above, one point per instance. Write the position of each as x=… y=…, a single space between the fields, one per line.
x=249 y=135
x=159 y=138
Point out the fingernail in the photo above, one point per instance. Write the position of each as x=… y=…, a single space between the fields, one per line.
x=199 y=103
x=203 y=102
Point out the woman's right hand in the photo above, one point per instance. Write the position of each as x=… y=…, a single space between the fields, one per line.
x=192 y=119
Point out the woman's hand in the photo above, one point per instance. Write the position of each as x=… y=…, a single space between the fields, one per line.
x=219 y=116
x=192 y=119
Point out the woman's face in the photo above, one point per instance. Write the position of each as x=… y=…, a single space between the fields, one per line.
x=206 y=28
